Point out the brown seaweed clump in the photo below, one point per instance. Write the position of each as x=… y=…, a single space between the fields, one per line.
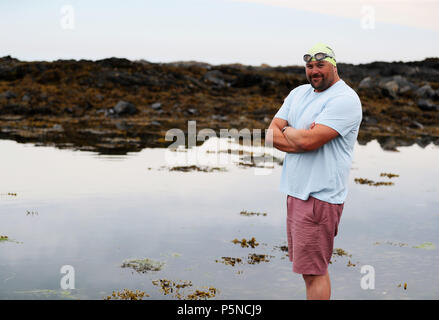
x=340 y=252
x=127 y=295
x=248 y=214
x=405 y=285
x=229 y=261
x=257 y=258
x=389 y=175
x=171 y=287
x=196 y=168
x=246 y=243
x=372 y=183
x=200 y=294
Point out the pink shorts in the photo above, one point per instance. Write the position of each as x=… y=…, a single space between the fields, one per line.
x=311 y=228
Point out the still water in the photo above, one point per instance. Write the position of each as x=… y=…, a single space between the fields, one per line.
x=93 y=212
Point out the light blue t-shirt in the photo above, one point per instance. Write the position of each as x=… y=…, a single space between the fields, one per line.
x=322 y=173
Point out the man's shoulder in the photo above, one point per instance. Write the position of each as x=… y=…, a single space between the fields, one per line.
x=346 y=90
x=299 y=90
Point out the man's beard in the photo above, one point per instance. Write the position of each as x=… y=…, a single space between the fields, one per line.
x=320 y=85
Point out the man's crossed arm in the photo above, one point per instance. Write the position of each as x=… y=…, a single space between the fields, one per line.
x=298 y=140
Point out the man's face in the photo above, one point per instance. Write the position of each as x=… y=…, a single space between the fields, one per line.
x=320 y=74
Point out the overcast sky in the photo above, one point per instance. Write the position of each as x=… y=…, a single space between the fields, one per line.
x=275 y=32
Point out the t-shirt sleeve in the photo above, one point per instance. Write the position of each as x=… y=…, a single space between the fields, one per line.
x=341 y=113
x=285 y=108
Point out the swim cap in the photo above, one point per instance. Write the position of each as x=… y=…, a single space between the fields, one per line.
x=320 y=47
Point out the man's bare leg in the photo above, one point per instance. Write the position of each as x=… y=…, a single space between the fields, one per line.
x=318 y=287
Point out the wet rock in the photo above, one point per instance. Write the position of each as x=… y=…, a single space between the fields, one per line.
x=425 y=92
x=366 y=83
x=58 y=127
x=215 y=77
x=124 y=108
x=26 y=98
x=369 y=120
x=427 y=105
x=124 y=126
x=388 y=143
x=219 y=117
x=191 y=111
x=8 y=95
x=156 y=106
x=416 y=125
x=389 y=88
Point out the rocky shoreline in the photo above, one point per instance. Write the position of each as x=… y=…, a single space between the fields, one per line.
x=115 y=106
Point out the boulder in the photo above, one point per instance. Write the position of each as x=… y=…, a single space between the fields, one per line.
x=389 y=88
x=425 y=92
x=427 y=105
x=215 y=77
x=156 y=106
x=8 y=95
x=366 y=83
x=124 y=107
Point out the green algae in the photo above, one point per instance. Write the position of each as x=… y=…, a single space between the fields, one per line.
x=426 y=246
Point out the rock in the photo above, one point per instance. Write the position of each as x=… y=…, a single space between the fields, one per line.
x=427 y=105
x=123 y=126
x=156 y=106
x=191 y=111
x=99 y=97
x=416 y=125
x=58 y=127
x=388 y=143
x=8 y=95
x=124 y=107
x=25 y=98
x=216 y=77
x=369 y=120
x=390 y=88
x=219 y=117
x=425 y=92
x=403 y=84
x=366 y=83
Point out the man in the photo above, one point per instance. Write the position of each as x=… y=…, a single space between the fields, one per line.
x=317 y=127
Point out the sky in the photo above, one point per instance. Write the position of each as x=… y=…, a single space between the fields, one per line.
x=251 y=32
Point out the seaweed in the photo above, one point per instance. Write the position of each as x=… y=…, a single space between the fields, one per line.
x=143 y=265
x=229 y=261
x=246 y=243
x=249 y=213
x=254 y=258
x=126 y=294
x=372 y=183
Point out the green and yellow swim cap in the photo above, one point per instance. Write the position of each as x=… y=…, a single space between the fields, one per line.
x=321 y=47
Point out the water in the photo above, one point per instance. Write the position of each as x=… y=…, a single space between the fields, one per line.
x=93 y=212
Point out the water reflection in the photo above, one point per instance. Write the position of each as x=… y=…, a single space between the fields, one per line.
x=95 y=212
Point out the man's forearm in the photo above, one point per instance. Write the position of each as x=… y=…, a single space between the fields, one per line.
x=297 y=137
x=281 y=143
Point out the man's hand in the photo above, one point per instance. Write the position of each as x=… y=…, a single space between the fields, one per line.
x=277 y=138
